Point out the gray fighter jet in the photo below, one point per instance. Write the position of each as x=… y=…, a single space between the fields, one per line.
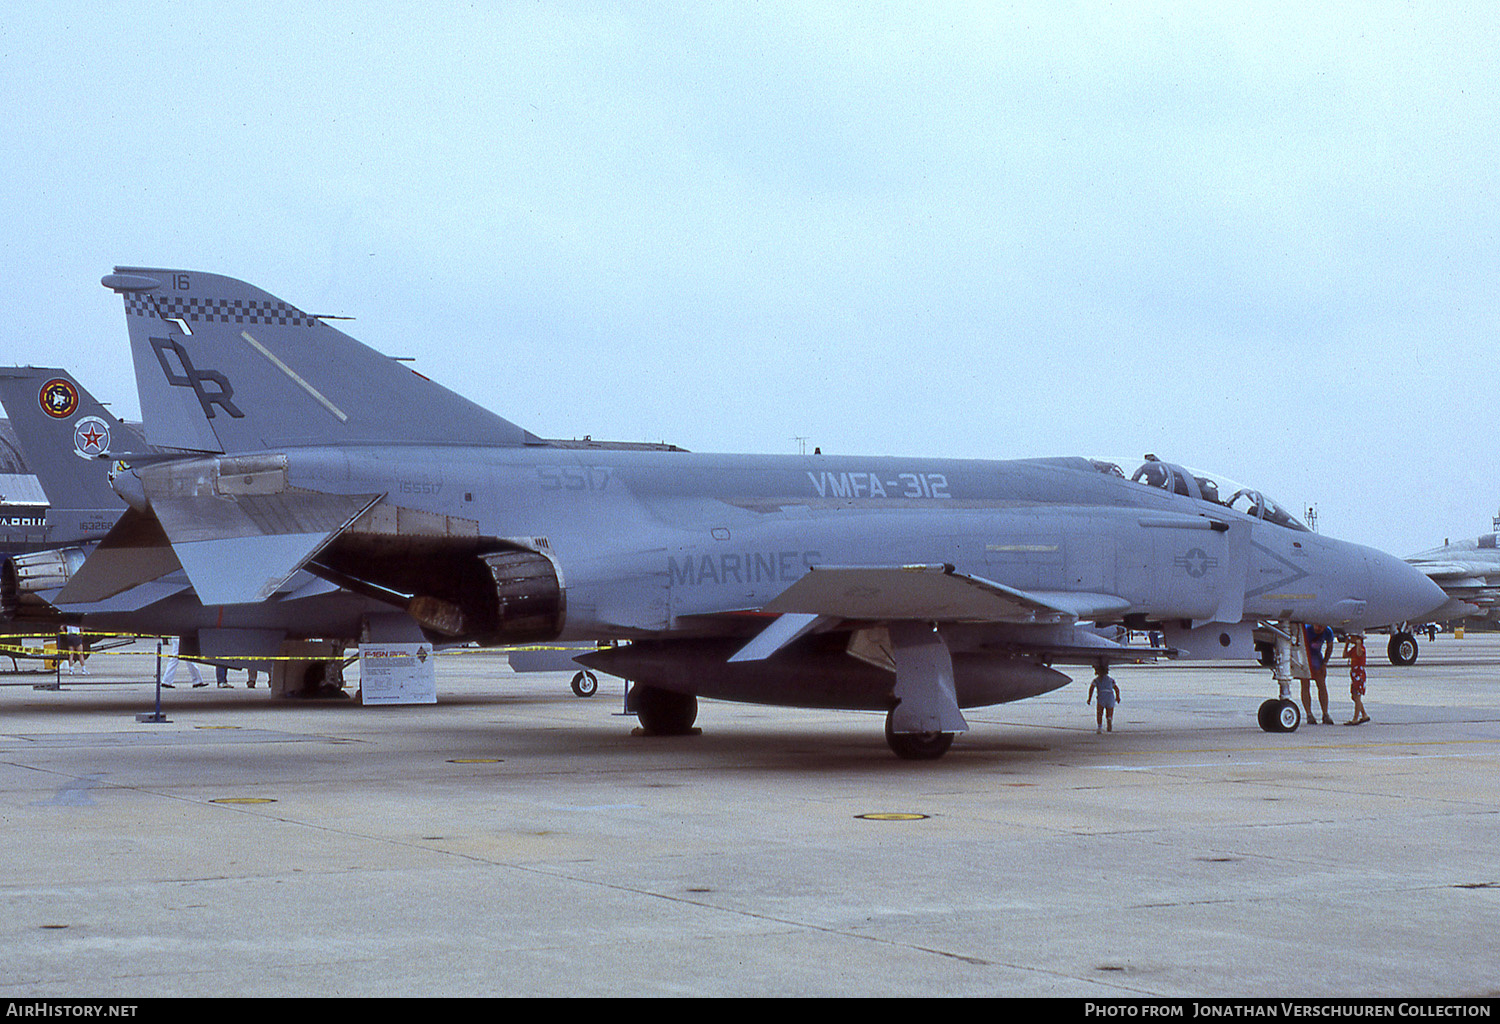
x=23 y=503
x=910 y=586
x=64 y=434
x=1468 y=571
x=79 y=504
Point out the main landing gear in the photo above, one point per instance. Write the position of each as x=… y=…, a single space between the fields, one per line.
x=666 y=713
x=916 y=746
x=1278 y=715
x=1281 y=713
x=663 y=712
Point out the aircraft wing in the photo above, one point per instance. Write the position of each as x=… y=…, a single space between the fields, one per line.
x=1444 y=572
x=936 y=593
x=899 y=607
x=912 y=593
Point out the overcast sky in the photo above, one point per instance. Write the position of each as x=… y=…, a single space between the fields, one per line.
x=1259 y=239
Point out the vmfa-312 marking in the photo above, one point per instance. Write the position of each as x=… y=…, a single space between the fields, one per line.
x=912 y=586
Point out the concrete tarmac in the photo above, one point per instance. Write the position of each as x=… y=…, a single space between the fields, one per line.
x=515 y=840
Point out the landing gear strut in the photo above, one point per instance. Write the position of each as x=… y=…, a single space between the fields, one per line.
x=922 y=722
x=1281 y=713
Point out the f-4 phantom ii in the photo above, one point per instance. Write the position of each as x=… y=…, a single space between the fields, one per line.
x=916 y=587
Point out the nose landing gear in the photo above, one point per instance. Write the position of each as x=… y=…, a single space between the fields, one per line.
x=1281 y=713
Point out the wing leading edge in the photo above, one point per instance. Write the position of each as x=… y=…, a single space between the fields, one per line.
x=913 y=593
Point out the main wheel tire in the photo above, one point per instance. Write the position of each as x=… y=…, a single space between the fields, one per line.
x=916 y=746
x=663 y=712
x=585 y=684
x=1267 y=715
x=321 y=681
x=1402 y=650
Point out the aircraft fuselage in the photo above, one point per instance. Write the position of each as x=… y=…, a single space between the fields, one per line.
x=643 y=542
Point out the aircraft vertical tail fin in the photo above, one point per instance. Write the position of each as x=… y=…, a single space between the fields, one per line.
x=63 y=432
x=222 y=366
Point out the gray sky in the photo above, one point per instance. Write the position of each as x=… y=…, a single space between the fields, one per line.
x=1258 y=239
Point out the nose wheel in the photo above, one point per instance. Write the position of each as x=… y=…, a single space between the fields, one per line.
x=585 y=684
x=1279 y=715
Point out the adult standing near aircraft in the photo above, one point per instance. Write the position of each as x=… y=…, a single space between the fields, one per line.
x=72 y=642
x=1319 y=640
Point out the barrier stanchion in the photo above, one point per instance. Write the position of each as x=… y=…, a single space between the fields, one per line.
x=155 y=716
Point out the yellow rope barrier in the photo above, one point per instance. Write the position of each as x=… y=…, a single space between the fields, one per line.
x=50 y=653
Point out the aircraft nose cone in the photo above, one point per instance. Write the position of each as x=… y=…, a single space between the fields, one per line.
x=1400 y=592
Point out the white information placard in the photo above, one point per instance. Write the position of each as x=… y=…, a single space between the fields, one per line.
x=397 y=674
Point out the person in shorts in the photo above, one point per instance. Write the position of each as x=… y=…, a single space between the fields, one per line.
x=71 y=642
x=1109 y=696
x=1318 y=641
x=1354 y=650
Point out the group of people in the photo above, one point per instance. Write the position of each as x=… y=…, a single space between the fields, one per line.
x=1310 y=659
x=1310 y=664
x=221 y=675
x=70 y=642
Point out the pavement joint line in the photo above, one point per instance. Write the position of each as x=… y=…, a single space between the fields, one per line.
x=1305 y=760
x=1311 y=746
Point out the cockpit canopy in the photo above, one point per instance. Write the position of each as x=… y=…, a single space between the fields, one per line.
x=1192 y=483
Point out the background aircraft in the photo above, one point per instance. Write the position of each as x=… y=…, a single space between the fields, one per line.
x=911 y=586
x=75 y=503
x=23 y=503
x=61 y=431
x=1468 y=571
